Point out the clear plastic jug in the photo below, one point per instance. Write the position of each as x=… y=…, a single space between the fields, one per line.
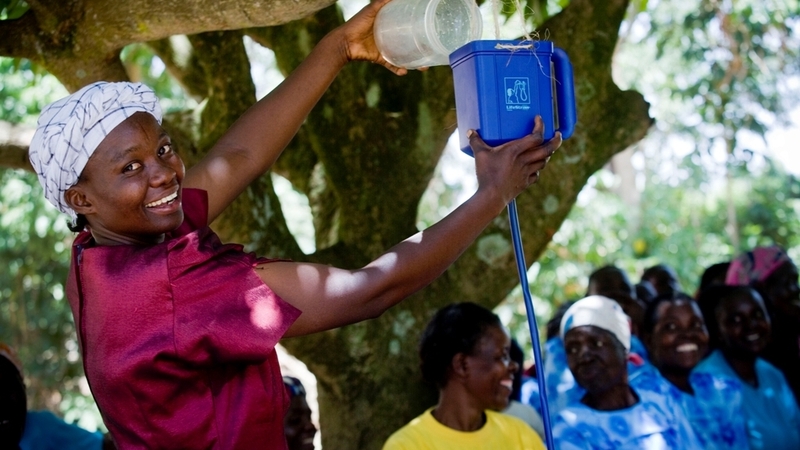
x=423 y=33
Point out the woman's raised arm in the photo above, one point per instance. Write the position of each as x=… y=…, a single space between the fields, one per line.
x=250 y=147
x=330 y=297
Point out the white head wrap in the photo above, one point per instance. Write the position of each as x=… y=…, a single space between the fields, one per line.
x=601 y=312
x=69 y=131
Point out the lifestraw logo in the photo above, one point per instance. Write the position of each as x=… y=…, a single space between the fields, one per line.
x=517 y=93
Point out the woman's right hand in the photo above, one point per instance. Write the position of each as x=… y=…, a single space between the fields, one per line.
x=358 y=39
x=511 y=167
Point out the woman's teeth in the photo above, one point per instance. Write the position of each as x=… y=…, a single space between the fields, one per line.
x=753 y=337
x=166 y=199
x=507 y=383
x=687 y=348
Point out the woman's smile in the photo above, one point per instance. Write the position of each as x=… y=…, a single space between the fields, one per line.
x=168 y=200
x=683 y=348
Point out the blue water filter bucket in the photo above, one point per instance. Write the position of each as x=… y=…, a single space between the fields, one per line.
x=501 y=86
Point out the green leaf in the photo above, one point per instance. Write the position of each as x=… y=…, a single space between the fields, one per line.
x=12 y=9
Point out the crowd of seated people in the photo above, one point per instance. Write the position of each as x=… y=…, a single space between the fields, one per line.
x=649 y=366
x=725 y=358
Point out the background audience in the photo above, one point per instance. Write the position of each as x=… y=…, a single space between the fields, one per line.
x=663 y=279
x=709 y=360
x=516 y=408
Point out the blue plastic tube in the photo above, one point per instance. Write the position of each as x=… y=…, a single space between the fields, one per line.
x=522 y=269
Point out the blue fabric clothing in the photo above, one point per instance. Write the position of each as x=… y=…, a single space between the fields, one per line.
x=561 y=386
x=559 y=382
x=655 y=422
x=772 y=417
x=637 y=346
x=714 y=411
x=45 y=431
x=529 y=393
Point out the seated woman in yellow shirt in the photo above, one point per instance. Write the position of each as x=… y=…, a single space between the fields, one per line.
x=465 y=352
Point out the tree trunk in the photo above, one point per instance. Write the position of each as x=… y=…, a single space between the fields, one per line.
x=368 y=373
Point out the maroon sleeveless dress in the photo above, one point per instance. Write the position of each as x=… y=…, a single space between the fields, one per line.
x=178 y=339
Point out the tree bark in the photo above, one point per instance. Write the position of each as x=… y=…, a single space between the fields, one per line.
x=364 y=158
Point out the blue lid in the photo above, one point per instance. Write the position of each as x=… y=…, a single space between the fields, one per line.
x=495 y=47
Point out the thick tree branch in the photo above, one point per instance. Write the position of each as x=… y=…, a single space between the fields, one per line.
x=15 y=156
x=56 y=17
x=107 y=28
x=230 y=91
x=149 y=20
x=83 y=48
x=392 y=135
x=19 y=38
x=180 y=58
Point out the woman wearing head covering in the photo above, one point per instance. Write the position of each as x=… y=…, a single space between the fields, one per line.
x=465 y=352
x=771 y=272
x=178 y=330
x=676 y=335
x=612 y=414
x=609 y=281
x=741 y=328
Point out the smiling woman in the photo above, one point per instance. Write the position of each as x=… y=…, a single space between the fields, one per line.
x=742 y=329
x=676 y=335
x=178 y=330
x=465 y=352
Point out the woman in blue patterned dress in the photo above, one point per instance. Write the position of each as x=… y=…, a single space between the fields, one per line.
x=612 y=414
x=609 y=281
x=677 y=338
x=741 y=327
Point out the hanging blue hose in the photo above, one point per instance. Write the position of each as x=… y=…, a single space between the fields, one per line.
x=522 y=269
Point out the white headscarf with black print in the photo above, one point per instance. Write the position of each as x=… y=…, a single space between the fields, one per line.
x=70 y=130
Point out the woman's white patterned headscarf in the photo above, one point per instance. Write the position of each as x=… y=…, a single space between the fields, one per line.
x=69 y=131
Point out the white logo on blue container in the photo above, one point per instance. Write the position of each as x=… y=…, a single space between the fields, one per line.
x=517 y=93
